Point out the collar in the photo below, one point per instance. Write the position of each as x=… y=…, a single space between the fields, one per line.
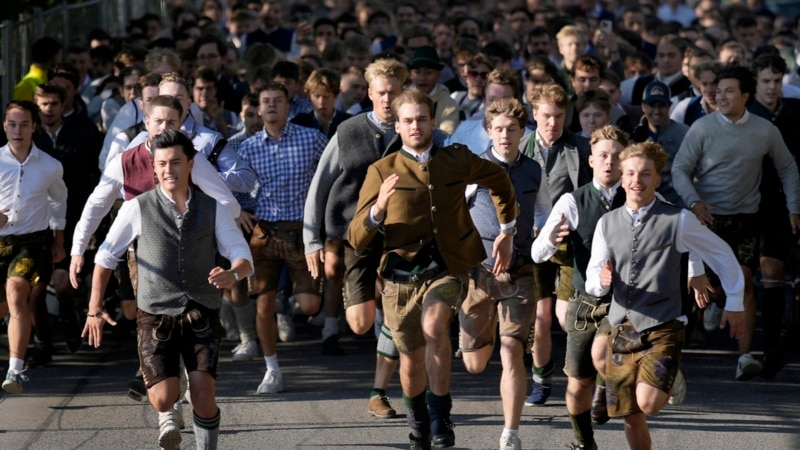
x=285 y=131
x=371 y=115
x=424 y=157
x=188 y=126
x=670 y=79
x=171 y=200
x=609 y=193
x=642 y=211
x=741 y=120
x=32 y=155
x=55 y=133
x=541 y=143
x=501 y=159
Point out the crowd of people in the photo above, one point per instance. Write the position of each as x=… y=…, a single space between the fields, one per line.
x=627 y=168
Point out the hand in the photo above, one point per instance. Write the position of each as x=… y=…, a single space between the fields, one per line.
x=3 y=217
x=246 y=221
x=701 y=211
x=221 y=278
x=560 y=231
x=794 y=219
x=607 y=274
x=94 y=328
x=75 y=266
x=702 y=288
x=58 y=253
x=736 y=321
x=315 y=262
x=501 y=252
x=386 y=192
x=304 y=32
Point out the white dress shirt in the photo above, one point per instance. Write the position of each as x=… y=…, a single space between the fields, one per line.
x=33 y=192
x=111 y=184
x=128 y=226
x=691 y=236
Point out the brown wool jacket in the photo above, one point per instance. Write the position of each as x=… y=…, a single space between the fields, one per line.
x=429 y=204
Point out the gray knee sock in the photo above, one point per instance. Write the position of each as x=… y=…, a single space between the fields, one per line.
x=246 y=320
x=386 y=345
x=206 y=431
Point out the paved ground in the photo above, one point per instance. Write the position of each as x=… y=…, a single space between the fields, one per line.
x=79 y=402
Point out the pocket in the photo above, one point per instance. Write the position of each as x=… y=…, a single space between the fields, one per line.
x=201 y=325
x=163 y=331
x=629 y=341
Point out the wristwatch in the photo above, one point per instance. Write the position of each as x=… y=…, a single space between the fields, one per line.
x=511 y=230
x=235 y=274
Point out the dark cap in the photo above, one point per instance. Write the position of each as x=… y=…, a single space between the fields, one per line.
x=656 y=92
x=425 y=56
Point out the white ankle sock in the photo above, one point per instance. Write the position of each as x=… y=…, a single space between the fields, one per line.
x=272 y=363
x=15 y=364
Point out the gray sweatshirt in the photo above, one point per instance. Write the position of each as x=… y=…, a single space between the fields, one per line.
x=719 y=163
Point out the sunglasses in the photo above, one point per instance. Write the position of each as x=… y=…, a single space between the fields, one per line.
x=476 y=74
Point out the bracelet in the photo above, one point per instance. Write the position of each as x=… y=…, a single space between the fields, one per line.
x=98 y=314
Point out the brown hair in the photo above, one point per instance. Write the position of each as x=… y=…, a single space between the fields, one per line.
x=166 y=101
x=505 y=76
x=414 y=97
x=510 y=107
x=597 y=97
x=323 y=80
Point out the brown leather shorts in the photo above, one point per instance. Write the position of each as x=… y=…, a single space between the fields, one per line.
x=194 y=336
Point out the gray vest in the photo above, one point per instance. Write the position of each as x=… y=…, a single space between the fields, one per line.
x=361 y=143
x=646 y=284
x=591 y=207
x=175 y=255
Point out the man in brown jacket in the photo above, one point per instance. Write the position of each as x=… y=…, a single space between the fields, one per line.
x=415 y=197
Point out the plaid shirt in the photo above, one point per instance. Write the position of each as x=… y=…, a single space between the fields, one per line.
x=247 y=200
x=284 y=168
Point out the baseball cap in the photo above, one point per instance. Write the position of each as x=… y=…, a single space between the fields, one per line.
x=656 y=92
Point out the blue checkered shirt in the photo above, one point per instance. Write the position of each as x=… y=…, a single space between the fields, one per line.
x=284 y=168
x=247 y=200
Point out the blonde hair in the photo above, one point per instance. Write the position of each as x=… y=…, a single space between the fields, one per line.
x=609 y=133
x=647 y=150
x=386 y=68
x=569 y=31
x=549 y=93
x=414 y=97
x=157 y=55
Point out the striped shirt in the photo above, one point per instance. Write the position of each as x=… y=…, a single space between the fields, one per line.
x=284 y=168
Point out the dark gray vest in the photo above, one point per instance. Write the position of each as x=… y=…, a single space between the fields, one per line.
x=647 y=266
x=175 y=255
x=361 y=143
x=526 y=177
x=591 y=207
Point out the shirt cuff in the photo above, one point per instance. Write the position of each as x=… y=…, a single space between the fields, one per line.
x=375 y=223
x=506 y=226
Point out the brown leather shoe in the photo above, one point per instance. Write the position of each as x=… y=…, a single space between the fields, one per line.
x=380 y=407
x=599 y=409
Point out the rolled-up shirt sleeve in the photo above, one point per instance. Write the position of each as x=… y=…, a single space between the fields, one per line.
x=125 y=229
x=230 y=241
x=600 y=253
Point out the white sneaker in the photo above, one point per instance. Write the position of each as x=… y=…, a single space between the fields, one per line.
x=169 y=436
x=245 y=351
x=285 y=327
x=13 y=382
x=508 y=442
x=712 y=317
x=747 y=367
x=271 y=384
x=678 y=390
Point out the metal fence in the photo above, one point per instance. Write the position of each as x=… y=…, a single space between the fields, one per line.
x=69 y=23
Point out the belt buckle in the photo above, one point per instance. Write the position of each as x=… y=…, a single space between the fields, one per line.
x=413 y=278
